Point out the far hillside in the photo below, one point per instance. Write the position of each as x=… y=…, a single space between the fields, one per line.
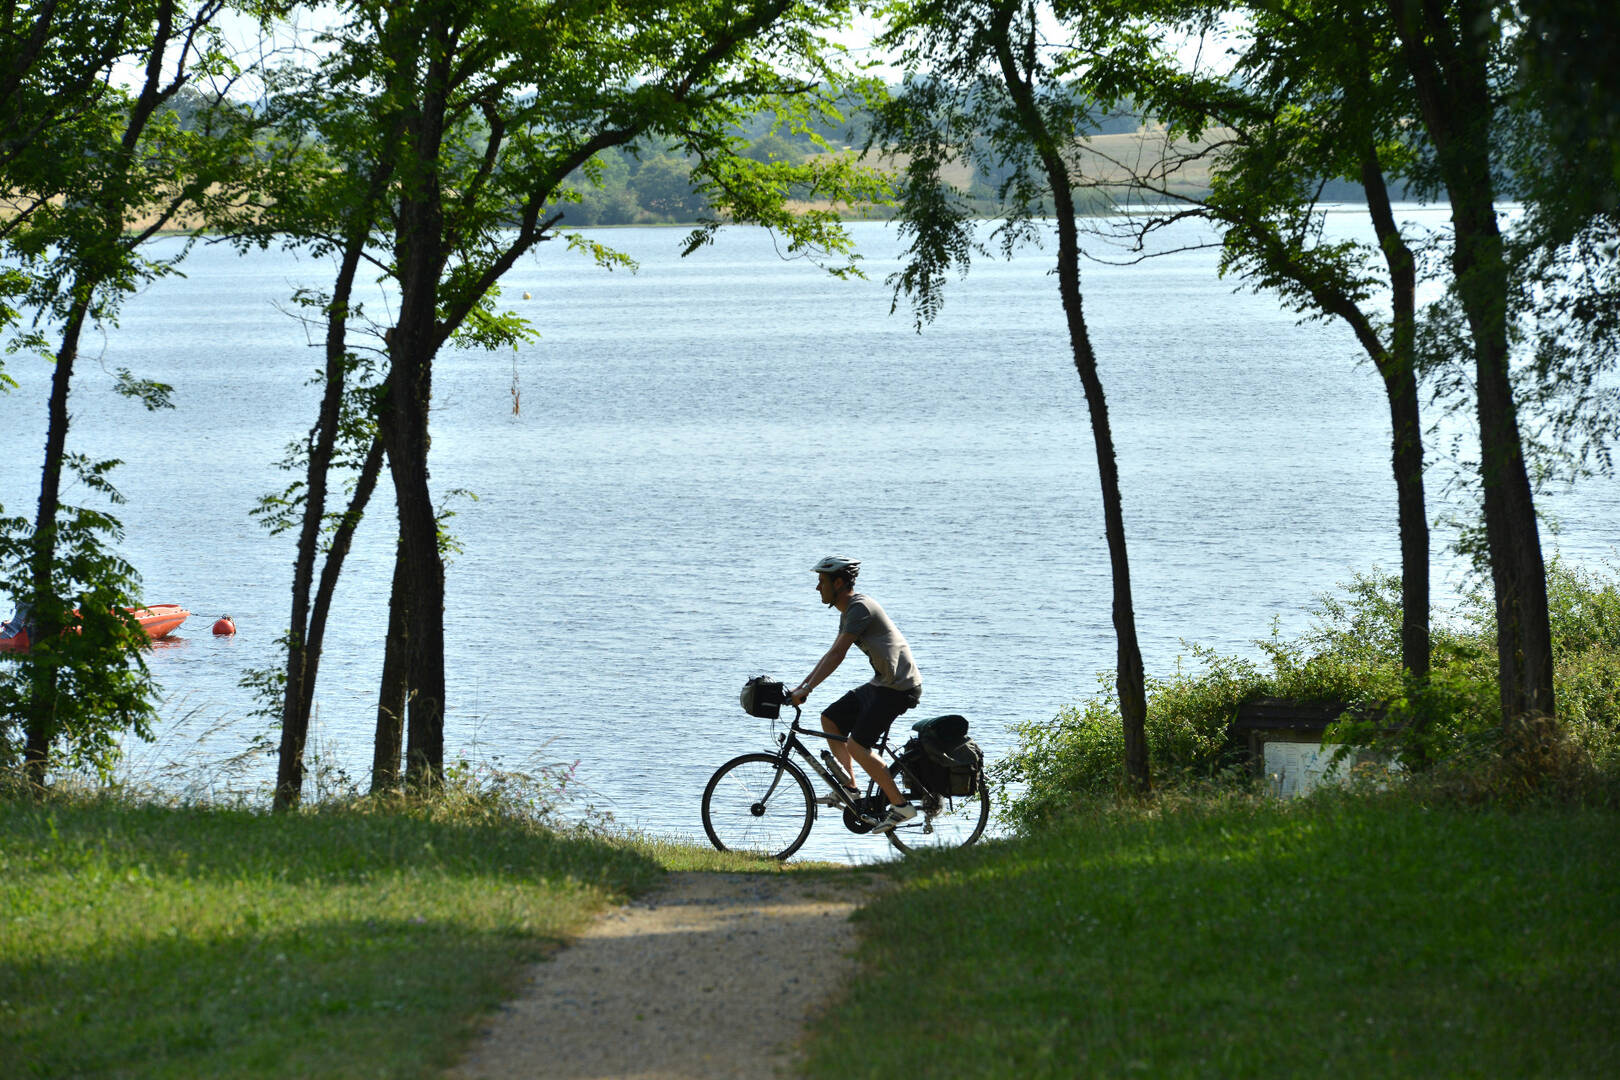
x=650 y=183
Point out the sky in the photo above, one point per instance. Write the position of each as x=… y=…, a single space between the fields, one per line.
x=858 y=37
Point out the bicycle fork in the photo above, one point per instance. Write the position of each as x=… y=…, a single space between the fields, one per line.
x=776 y=780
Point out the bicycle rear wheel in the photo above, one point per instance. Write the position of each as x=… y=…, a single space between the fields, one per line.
x=944 y=823
x=758 y=804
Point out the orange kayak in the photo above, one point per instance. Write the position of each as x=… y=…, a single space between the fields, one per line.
x=158 y=620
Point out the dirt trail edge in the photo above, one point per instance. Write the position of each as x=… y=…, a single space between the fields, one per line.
x=711 y=975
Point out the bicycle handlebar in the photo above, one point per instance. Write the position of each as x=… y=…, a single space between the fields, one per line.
x=798 y=714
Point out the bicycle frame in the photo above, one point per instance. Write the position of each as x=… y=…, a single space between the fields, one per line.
x=790 y=743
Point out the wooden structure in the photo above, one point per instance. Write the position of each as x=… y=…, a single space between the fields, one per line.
x=1269 y=719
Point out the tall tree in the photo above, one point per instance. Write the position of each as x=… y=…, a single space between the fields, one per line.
x=323 y=188
x=995 y=94
x=477 y=115
x=118 y=166
x=1449 y=81
x=56 y=60
x=1569 y=76
x=1454 y=52
x=1436 y=81
x=1563 y=155
x=1314 y=94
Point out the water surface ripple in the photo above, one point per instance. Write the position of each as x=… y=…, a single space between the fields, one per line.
x=692 y=437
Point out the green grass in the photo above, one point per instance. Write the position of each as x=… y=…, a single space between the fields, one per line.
x=1339 y=936
x=142 y=941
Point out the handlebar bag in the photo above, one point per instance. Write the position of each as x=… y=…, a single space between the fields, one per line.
x=763 y=697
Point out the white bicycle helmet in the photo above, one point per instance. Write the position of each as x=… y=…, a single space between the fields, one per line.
x=838 y=564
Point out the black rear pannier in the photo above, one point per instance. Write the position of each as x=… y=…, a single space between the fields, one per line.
x=942 y=758
x=941 y=732
x=763 y=697
x=963 y=765
x=917 y=772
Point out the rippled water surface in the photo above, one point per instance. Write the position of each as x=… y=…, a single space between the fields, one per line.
x=691 y=437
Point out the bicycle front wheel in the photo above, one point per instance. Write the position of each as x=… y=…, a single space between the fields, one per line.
x=758 y=804
x=944 y=823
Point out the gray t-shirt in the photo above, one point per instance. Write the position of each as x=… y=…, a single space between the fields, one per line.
x=877 y=637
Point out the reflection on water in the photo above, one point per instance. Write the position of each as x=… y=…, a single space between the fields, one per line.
x=693 y=437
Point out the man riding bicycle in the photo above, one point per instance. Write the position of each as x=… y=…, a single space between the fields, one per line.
x=865 y=713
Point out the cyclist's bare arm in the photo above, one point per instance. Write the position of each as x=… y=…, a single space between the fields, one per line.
x=824 y=667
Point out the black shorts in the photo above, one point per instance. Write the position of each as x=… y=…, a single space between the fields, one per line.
x=866 y=712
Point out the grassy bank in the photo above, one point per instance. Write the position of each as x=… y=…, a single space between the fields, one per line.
x=1334 y=937
x=140 y=941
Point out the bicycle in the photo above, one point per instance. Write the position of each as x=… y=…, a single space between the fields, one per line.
x=764 y=803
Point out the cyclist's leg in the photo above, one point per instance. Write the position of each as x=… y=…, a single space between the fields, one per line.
x=876 y=770
x=840 y=749
x=879 y=709
x=840 y=719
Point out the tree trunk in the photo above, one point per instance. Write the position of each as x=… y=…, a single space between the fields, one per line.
x=98 y=263
x=389 y=744
x=47 y=613
x=421 y=246
x=1450 y=67
x=1129 y=678
x=342 y=541
x=422 y=584
x=1398 y=367
x=304 y=655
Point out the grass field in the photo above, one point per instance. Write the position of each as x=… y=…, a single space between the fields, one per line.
x=153 y=942
x=1334 y=938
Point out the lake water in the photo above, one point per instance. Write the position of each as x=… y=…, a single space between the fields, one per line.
x=692 y=437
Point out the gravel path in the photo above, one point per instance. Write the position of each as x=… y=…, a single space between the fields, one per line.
x=710 y=976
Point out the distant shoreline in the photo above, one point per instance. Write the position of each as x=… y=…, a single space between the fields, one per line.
x=1325 y=208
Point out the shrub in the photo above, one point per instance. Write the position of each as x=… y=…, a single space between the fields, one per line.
x=1082 y=752
x=1585 y=612
x=1351 y=654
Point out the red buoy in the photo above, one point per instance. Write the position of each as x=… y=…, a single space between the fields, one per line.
x=224 y=625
